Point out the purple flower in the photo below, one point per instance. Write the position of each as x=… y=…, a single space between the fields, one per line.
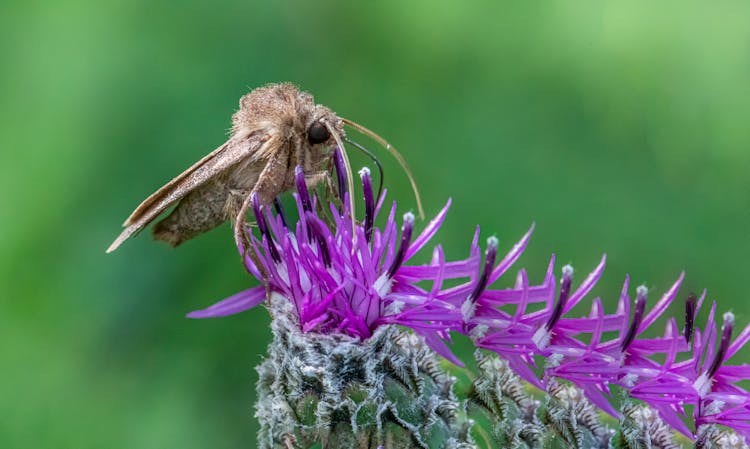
x=350 y=278
x=346 y=277
x=666 y=372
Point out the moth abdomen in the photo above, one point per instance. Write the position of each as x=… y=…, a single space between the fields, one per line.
x=200 y=211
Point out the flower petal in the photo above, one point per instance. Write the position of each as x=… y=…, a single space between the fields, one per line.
x=237 y=303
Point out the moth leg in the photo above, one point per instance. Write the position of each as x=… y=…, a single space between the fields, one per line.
x=236 y=208
x=235 y=199
x=330 y=186
x=269 y=185
x=331 y=191
x=240 y=236
x=313 y=179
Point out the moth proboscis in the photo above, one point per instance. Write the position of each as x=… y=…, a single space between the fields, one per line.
x=276 y=128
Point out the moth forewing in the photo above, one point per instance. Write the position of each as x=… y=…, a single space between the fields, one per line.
x=150 y=203
x=217 y=162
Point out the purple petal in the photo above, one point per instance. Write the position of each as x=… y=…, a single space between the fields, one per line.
x=597 y=315
x=739 y=342
x=240 y=302
x=438 y=258
x=512 y=256
x=623 y=306
x=733 y=373
x=524 y=371
x=573 y=326
x=451 y=270
x=670 y=416
x=661 y=305
x=438 y=345
x=586 y=285
x=428 y=232
x=598 y=399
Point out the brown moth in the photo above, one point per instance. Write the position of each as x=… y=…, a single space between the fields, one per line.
x=276 y=128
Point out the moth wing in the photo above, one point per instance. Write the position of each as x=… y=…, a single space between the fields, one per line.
x=216 y=162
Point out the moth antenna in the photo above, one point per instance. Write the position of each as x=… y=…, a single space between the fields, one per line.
x=349 y=178
x=374 y=159
x=391 y=149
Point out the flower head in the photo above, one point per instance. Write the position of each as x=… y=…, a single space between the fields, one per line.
x=342 y=276
x=347 y=277
x=668 y=373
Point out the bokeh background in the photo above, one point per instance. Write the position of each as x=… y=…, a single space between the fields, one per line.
x=618 y=129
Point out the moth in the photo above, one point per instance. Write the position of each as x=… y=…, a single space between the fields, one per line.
x=276 y=128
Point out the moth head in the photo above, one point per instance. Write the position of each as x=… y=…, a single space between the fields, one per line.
x=317 y=133
x=321 y=127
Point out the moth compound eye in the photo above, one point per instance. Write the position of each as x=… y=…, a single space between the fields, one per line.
x=317 y=133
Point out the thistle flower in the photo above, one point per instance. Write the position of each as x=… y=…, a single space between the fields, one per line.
x=333 y=282
x=347 y=284
x=663 y=372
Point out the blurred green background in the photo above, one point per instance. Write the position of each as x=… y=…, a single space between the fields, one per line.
x=618 y=129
